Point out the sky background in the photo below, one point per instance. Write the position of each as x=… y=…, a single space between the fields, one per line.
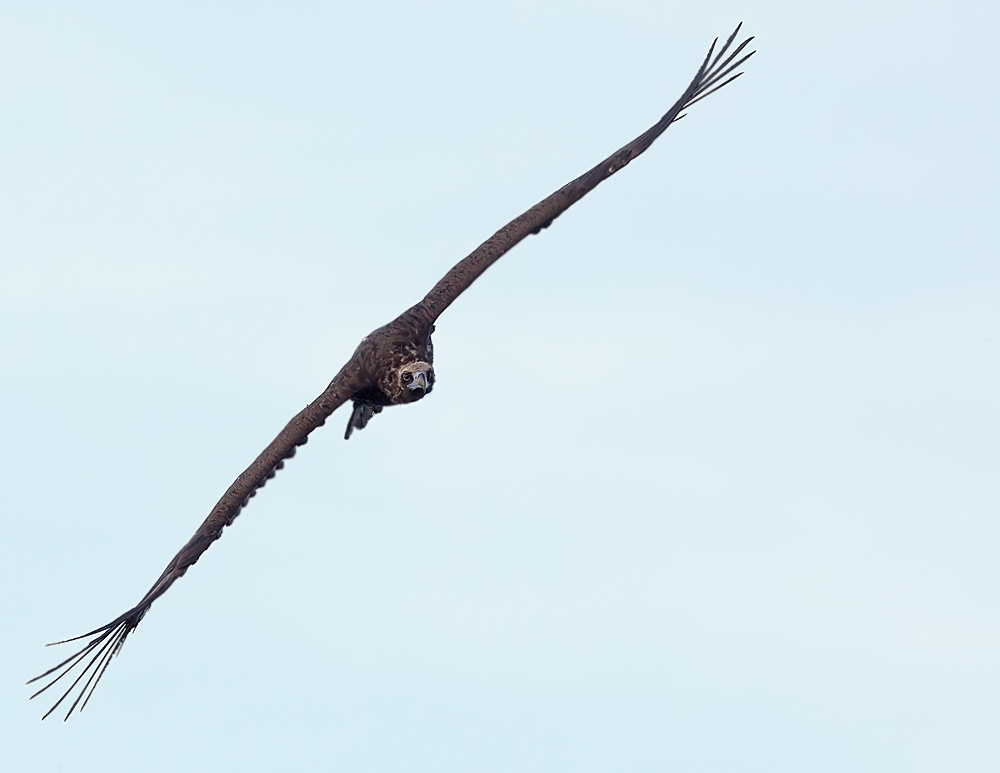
x=708 y=481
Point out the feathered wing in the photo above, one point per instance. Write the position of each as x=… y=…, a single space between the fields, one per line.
x=105 y=642
x=711 y=76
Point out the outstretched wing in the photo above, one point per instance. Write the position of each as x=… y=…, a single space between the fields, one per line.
x=103 y=643
x=711 y=76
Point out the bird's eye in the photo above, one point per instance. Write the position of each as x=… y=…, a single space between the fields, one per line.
x=407 y=377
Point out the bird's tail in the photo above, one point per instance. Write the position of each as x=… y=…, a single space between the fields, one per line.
x=360 y=417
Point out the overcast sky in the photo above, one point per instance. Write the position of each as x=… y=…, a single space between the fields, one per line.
x=708 y=481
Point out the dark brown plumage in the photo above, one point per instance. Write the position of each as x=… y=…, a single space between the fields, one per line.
x=392 y=366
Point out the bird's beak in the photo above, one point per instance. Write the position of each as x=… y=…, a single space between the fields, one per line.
x=419 y=382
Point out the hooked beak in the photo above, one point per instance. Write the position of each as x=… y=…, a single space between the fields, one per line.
x=419 y=382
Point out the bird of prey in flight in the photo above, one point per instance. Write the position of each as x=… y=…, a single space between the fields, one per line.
x=393 y=365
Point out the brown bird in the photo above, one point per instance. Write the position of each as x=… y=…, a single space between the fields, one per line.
x=394 y=365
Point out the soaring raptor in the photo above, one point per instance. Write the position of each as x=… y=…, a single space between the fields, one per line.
x=393 y=365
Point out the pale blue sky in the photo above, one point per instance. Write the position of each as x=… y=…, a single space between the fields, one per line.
x=736 y=506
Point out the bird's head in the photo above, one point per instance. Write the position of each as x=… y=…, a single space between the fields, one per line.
x=413 y=381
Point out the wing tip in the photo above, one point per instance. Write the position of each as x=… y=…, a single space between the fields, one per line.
x=95 y=656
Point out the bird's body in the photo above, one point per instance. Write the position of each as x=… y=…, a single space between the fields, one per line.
x=397 y=363
x=393 y=365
